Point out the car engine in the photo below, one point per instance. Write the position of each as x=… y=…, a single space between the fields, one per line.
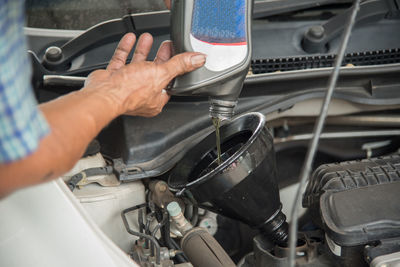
x=217 y=209
x=157 y=189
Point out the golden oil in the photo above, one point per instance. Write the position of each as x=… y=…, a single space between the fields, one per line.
x=217 y=124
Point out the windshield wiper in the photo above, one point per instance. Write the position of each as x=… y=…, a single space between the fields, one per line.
x=269 y=8
x=60 y=58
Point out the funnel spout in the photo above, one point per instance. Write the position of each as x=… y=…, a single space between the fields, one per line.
x=276 y=229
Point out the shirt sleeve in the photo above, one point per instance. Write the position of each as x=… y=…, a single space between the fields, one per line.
x=22 y=125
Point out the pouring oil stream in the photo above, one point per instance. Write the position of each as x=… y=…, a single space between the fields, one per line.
x=217 y=123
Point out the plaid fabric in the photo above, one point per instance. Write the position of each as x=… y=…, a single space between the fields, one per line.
x=21 y=123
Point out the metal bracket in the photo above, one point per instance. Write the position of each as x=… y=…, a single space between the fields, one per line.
x=317 y=37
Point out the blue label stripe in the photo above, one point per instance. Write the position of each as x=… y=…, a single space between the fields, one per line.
x=219 y=21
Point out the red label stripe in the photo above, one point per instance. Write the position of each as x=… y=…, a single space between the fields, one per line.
x=225 y=44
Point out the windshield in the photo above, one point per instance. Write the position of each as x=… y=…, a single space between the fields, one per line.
x=82 y=14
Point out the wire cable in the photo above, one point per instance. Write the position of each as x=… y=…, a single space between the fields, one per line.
x=150 y=238
x=306 y=170
x=160 y=224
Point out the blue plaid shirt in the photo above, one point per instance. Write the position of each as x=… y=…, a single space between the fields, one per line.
x=21 y=123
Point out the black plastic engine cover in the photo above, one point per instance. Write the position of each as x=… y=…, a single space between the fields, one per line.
x=350 y=175
x=357 y=201
x=362 y=215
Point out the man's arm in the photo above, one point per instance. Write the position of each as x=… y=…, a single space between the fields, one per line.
x=75 y=119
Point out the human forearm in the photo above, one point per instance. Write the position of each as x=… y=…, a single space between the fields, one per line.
x=74 y=119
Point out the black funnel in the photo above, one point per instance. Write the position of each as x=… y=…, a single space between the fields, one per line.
x=243 y=186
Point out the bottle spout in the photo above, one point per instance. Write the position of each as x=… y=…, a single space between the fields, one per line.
x=222 y=109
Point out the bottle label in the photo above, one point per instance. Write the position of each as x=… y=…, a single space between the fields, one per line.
x=219 y=30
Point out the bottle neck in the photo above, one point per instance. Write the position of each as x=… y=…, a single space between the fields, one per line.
x=222 y=109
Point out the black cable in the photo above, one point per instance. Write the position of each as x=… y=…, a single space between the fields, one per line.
x=175 y=244
x=306 y=170
x=75 y=179
x=160 y=224
x=195 y=209
x=188 y=209
x=156 y=228
x=181 y=258
x=140 y=221
x=167 y=235
x=170 y=243
x=195 y=217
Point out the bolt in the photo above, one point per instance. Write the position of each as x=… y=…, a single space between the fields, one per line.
x=53 y=53
x=162 y=187
x=316 y=31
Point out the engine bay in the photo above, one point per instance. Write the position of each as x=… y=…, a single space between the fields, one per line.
x=155 y=186
x=342 y=225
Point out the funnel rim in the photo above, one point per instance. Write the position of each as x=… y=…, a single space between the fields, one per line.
x=204 y=178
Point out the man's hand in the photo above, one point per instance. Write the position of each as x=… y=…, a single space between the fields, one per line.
x=76 y=118
x=138 y=87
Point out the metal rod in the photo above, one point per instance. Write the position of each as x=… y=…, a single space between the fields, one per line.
x=149 y=219
x=145 y=236
x=389 y=120
x=374 y=121
x=338 y=135
x=63 y=80
x=306 y=170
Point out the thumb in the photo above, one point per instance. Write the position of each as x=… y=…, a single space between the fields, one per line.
x=182 y=63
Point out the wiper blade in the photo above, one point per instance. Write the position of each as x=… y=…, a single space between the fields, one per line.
x=268 y=8
x=105 y=33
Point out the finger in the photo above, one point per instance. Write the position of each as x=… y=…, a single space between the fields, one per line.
x=168 y=3
x=121 y=53
x=143 y=47
x=182 y=63
x=164 y=52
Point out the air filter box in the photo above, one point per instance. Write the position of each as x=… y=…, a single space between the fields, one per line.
x=358 y=204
